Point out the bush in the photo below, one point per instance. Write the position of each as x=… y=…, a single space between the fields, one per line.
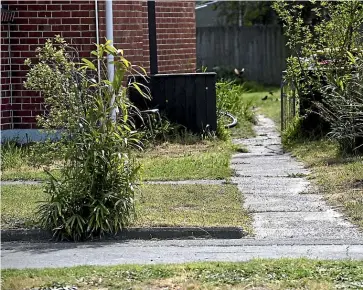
x=342 y=107
x=292 y=132
x=95 y=193
x=230 y=99
x=321 y=66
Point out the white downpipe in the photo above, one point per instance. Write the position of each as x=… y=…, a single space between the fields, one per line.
x=110 y=58
x=97 y=40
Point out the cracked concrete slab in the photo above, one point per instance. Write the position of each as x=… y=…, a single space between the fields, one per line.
x=281 y=203
x=272 y=186
x=276 y=198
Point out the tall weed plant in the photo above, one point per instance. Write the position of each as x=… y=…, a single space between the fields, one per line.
x=95 y=193
x=230 y=99
x=13 y=155
x=343 y=108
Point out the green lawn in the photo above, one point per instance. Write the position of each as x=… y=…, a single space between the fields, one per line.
x=203 y=160
x=270 y=107
x=156 y=205
x=340 y=178
x=168 y=161
x=255 y=274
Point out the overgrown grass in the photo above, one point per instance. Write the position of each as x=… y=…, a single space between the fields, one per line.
x=230 y=98
x=340 y=178
x=183 y=158
x=201 y=159
x=255 y=274
x=156 y=205
x=12 y=155
x=175 y=161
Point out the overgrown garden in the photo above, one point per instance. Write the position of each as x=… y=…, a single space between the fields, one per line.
x=94 y=164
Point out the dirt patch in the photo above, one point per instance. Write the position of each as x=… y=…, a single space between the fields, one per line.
x=357 y=184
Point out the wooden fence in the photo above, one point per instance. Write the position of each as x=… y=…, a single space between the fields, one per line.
x=260 y=50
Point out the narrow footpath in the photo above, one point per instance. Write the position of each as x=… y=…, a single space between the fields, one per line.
x=277 y=192
x=290 y=220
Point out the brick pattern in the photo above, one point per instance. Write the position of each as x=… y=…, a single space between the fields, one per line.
x=5 y=79
x=127 y=20
x=35 y=21
x=175 y=28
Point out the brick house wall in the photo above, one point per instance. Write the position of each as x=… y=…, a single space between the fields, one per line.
x=5 y=80
x=35 y=21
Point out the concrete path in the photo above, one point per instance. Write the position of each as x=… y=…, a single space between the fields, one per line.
x=290 y=220
x=25 y=255
x=276 y=191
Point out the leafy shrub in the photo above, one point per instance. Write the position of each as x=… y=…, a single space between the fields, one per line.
x=95 y=193
x=321 y=61
x=292 y=132
x=230 y=99
x=342 y=107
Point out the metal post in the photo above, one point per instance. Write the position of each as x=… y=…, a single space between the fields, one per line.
x=110 y=58
x=152 y=37
x=109 y=36
x=282 y=101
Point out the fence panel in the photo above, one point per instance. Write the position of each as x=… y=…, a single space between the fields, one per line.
x=260 y=50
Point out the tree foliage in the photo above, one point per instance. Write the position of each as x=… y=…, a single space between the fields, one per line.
x=245 y=13
x=327 y=59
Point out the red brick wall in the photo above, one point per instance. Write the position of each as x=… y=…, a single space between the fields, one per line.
x=175 y=28
x=5 y=79
x=35 y=21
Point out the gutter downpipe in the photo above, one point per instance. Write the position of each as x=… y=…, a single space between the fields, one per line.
x=110 y=58
x=97 y=41
x=10 y=79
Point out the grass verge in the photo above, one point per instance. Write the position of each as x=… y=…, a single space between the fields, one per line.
x=340 y=178
x=156 y=205
x=168 y=161
x=255 y=274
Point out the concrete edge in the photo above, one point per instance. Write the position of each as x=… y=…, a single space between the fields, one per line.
x=161 y=233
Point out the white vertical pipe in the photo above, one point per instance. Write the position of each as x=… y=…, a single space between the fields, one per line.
x=110 y=58
x=97 y=40
x=109 y=36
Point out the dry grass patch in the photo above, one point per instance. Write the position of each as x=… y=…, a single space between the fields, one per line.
x=197 y=159
x=339 y=177
x=156 y=205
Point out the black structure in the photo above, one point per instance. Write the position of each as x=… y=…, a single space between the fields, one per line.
x=153 y=48
x=188 y=99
